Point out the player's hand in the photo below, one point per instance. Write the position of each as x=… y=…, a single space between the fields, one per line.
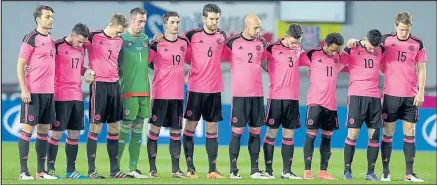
x=89 y=75
x=25 y=96
x=419 y=99
x=158 y=37
x=352 y=43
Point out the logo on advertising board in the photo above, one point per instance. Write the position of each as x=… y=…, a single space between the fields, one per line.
x=429 y=130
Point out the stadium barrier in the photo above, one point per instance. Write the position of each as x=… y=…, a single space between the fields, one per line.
x=425 y=130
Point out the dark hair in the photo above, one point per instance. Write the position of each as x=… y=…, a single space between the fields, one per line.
x=81 y=29
x=211 y=8
x=334 y=38
x=374 y=37
x=170 y=14
x=295 y=31
x=118 y=19
x=38 y=11
x=138 y=10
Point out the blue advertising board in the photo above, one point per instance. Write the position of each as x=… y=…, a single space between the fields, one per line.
x=425 y=129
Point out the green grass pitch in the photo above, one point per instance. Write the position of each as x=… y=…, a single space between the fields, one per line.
x=425 y=167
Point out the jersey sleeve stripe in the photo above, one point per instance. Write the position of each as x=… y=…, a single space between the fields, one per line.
x=29 y=35
x=231 y=40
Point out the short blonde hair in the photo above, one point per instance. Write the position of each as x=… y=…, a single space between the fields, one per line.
x=404 y=17
x=118 y=19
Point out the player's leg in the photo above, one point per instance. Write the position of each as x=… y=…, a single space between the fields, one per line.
x=256 y=118
x=390 y=109
x=131 y=107
x=192 y=113
x=212 y=114
x=239 y=113
x=135 y=138
x=312 y=124
x=97 y=114
x=63 y=111
x=291 y=121
x=328 y=126
x=74 y=127
x=46 y=118
x=374 y=124
x=356 y=112
x=273 y=121
x=27 y=118
x=159 y=112
x=409 y=118
x=174 y=115
x=115 y=115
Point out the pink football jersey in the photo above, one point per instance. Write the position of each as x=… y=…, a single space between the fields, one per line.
x=168 y=58
x=401 y=59
x=39 y=51
x=69 y=70
x=246 y=56
x=205 y=54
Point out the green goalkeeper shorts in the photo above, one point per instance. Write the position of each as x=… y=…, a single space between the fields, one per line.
x=138 y=106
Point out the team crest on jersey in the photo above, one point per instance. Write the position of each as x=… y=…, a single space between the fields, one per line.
x=351 y=121
x=127 y=112
x=30 y=118
x=146 y=44
x=336 y=61
x=182 y=48
x=375 y=53
x=57 y=123
x=129 y=44
x=258 y=47
x=295 y=51
x=219 y=41
x=411 y=48
x=271 y=121
x=234 y=120
x=310 y=122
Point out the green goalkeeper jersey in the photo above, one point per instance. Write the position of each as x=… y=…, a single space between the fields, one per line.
x=133 y=65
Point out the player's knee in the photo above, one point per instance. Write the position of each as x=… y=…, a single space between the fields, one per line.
x=311 y=133
x=272 y=132
x=374 y=134
x=388 y=131
x=352 y=133
x=287 y=133
x=139 y=120
x=73 y=134
x=154 y=128
x=254 y=131
x=409 y=129
x=56 y=134
x=326 y=134
x=175 y=131
x=113 y=128
x=137 y=128
x=28 y=128
x=43 y=128
x=237 y=131
x=125 y=128
x=95 y=128
x=211 y=127
x=190 y=125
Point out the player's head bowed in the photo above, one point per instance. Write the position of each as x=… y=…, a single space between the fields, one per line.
x=372 y=40
x=333 y=43
x=211 y=16
x=79 y=35
x=403 y=23
x=294 y=35
x=43 y=16
x=137 y=20
x=252 y=26
x=171 y=22
x=117 y=24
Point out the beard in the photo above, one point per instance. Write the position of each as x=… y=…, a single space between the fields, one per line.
x=212 y=27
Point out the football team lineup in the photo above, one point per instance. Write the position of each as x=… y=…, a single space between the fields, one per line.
x=120 y=56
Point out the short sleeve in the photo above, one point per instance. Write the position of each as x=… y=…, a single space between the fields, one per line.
x=421 y=56
x=226 y=53
x=153 y=52
x=26 y=50
x=304 y=60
